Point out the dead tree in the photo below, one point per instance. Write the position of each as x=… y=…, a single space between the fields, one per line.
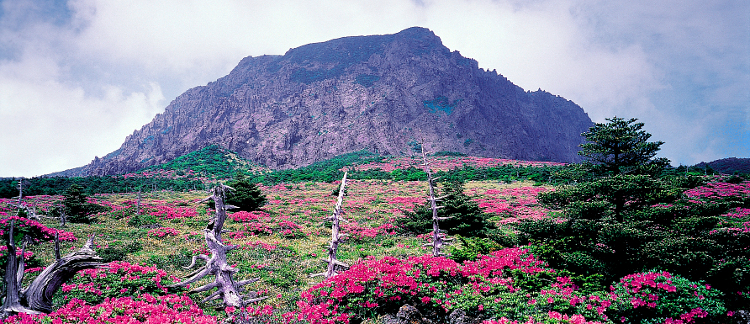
x=138 y=208
x=30 y=212
x=438 y=238
x=335 y=219
x=227 y=289
x=20 y=192
x=37 y=297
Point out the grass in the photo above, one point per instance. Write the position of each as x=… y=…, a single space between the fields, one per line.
x=283 y=264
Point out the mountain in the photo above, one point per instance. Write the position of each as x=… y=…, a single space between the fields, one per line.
x=729 y=165
x=382 y=93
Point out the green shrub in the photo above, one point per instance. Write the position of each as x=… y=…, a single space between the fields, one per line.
x=246 y=195
x=472 y=247
x=657 y=297
x=465 y=218
x=143 y=221
x=172 y=261
x=116 y=252
x=76 y=207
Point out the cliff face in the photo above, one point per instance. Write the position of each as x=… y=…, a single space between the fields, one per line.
x=382 y=93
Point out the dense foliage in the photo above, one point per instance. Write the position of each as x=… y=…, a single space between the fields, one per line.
x=621 y=146
x=464 y=217
x=145 y=308
x=96 y=184
x=509 y=284
x=212 y=161
x=76 y=207
x=616 y=225
x=119 y=279
x=246 y=195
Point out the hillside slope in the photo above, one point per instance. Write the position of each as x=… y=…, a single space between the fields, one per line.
x=380 y=93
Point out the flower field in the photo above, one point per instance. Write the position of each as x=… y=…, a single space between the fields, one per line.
x=283 y=243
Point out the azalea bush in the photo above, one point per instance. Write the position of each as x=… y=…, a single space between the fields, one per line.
x=144 y=308
x=118 y=279
x=508 y=284
x=163 y=231
x=34 y=231
x=660 y=297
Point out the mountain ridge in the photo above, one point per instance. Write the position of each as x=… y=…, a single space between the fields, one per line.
x=382 y=93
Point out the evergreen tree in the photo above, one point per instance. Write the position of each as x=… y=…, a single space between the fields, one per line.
x=465 y=216
x=77 y=208
x=246 y=195
x=621 y=146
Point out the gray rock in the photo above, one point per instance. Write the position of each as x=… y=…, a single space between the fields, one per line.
x=381 y=93
x=741 y=317
x=459 y=316
x=407 y=314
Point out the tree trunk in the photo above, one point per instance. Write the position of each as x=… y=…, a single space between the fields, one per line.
x=437 y=238
x=38 y=295
x=12 y=304
x=335 y=219
x=227 y=288
x=37 y=298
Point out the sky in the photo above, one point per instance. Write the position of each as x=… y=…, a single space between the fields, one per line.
x=78 y=76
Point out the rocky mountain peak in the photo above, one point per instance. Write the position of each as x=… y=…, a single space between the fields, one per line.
x=382 y=93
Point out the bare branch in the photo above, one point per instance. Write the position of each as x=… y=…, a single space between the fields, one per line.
x=214 y=295
x=206 y=287
x=254 y=300
x=204 y=271
x=246 y=282
x=195 y=257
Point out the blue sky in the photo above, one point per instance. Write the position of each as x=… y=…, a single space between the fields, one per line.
x=77 y=77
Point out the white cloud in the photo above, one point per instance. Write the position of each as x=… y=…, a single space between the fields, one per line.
x=90 y=75
x=48 y=126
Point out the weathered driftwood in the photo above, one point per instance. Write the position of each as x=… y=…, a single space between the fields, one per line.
x=226 y=288
x=336 y=237
x=38 y=295
x=14 y=270
x=438 y=238
x=30 y=211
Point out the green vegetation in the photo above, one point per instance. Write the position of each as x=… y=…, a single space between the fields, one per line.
x=212 y=161
x=626 y=242
x=199 y=169
x=621 y=146
x=96 y=184
x=246 y=195
x=76 y=207
x=463 y=215
x=323 y=171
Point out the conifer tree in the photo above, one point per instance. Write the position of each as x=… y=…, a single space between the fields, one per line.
x=620 y=146
x=246 y=195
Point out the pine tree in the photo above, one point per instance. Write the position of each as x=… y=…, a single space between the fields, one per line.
x=76 y=206
x=621 y=146
x=246 y=195
x=464 y=217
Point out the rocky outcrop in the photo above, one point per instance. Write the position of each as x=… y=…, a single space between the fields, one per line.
x=408 y=314
x=382 y=93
